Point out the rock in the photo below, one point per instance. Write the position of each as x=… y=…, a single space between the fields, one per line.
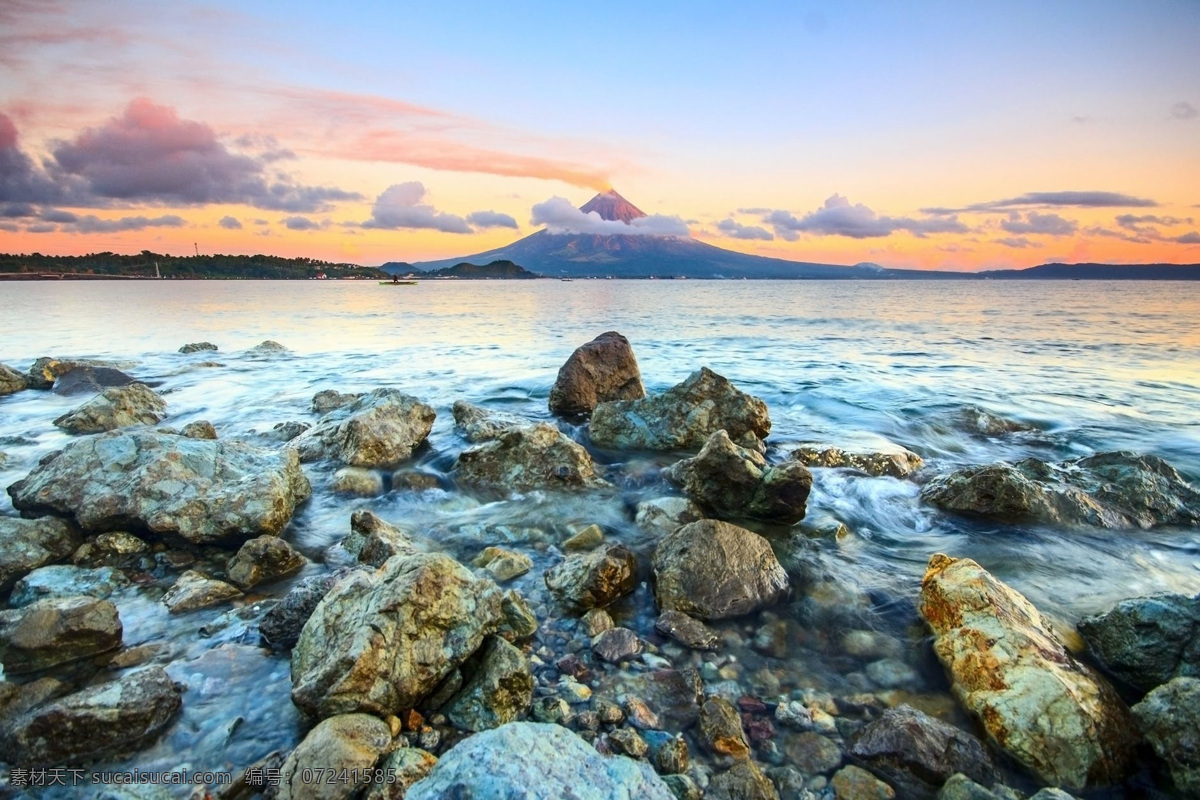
x=664 y=515
x=11 y=381
x=344 y=744
x=596 y=621
x=535 y=761
x=267 y=347
x=504 y=565
x=478 y=424
x=281 y=625
x=595 y=579
x=358 y=482
x=974 y=419
x=896 y=465
x=194 y=590
x=116 y=407
x=203 y=492
x=917 y=753
x=116 y=548
x=1169 y=718
x=373 y=540
x=56 y=631
x=407 y=765
x=616 y=645
x=1107 y=490
x=379 y=642
x=533 y=457
x=26 y=544
x=287 y=431
x=380 y=429
x=263 y=559
x=628 y=742
x=1146 y=641
x=46 y=370
x=102 y=720
x=681 y=418
x=731 y=482
x=65 y=580
x=327 y=400
x=715 y=570
x=500 y=689
x=960 y=787
x=197 y=347
x=519 y=621
x=1051 y=713
x=200 y=429
x=855 y=783
x=687 y=631
x=721 y=728
x=88 y=379
x=743 y=781
x=812 y=753
x=683 y=787
x=603 y=369
x=891 y=673
x=414 y=481
x=588 y=538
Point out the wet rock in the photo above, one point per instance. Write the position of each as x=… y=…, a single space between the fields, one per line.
x=532 y=457
x=917 y=753
x=974 y=419
x=263 y=559
x=103 y=720
x=891 y=673
x=595 y=579
x=46 y=370
x=65 y=580
x=503 y=565
x=116 y=407
x=203 y=492
x=1107 y=490
x=812 y=753
x=197 y=347
x=327 y=400
x=116 y=548
x=373 y=540
x=617 y=645
x=408 y=765
x=26 y=544
x=194 y=590
x=267 y=347
x=381 y=641
x=721 y=728
x=414 y=481
x=628 y=742
x=603 y=369
x=855 y=783
x=518 y=620
x=533 y=761
x=379 y=429
x=960 y=787
x=345 y=743
x=664 y=515
x=596 y=621
x=1052 y=714
x=200 y=429
x=743 y=781
x=715 y=570
x=687 y=631
x=683 y=417
x=683 y=787
x=588 y=538
x=11 y=381
x=358 y=482
x=895 y=464
x=669 y=754
x=478 y=424
x=281 y=625
x=731 y=482
x=1169 y=718
x=500 y=689
x=56 y=631
x=287 y=431
x=1146 y=641
x=87 y=379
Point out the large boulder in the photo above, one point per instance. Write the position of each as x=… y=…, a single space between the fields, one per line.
x=715 y=570
x=1107 y=490
x=603 y=369
x=917 y=753
x=198 y=490
x=1169 y=718
x=594 y=579
x=379 y=429
x=524 y=458
x=380 y=642
x=1147 y=641
x=11 y=381
x=341 y=745
x=729 y=481
x=26 y=544
x=896 y=464
x=1052 y=714
x=116 y=407
x=263 y=559
x=103 y=720
x=500 y=689
x=683 y=417
x=57 y=630
x=534 y=761
x=478 y=424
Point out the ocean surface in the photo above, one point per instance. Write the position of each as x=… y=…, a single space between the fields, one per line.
x=1091 y=366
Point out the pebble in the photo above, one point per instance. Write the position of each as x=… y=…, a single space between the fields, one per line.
x=794 y=714
x=573 y=691
x=639 y=714
x=627 y=741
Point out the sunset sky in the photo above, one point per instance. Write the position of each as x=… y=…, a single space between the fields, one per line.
x=930 y=134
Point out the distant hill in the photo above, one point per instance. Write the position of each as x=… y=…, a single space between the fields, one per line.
x=1104 y=272
x=496 y=270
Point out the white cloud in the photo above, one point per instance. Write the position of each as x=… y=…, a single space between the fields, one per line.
x=559 y=215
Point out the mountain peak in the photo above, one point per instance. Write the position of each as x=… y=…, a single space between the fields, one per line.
x=611 y=206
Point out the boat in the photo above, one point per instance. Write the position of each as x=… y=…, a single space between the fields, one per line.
x=397 y=283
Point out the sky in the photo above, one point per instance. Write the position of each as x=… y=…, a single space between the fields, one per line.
x=932 y=135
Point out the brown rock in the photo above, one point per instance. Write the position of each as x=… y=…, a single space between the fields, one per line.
x=603 y=369
x=56 y=631
x=721 y=728
x=855 y=783
x=595 y=579
x=263 y=559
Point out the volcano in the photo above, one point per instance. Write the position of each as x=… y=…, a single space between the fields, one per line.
x=612 y=207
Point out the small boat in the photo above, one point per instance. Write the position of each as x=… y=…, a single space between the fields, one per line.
x=397 y=283
x=566 y=280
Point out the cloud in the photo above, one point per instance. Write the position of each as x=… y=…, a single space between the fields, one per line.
x=736 y=230
x=17 y=210
x=559 y=215
x=300 y=224
x=1191 y=237
x=839 y=217
x=401 y=206
x=1017 y=241
x=1044 y=224
x=1184 y=111
x=93 y=224
x=1075 y=199
x=230 y=223
x=491 y=219
x=56 y=215
x=1133 y=221
x=21 y=181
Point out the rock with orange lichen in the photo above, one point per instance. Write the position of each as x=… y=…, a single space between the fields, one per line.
x=1055 y=716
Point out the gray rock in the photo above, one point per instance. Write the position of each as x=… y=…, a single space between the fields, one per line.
x=373 y=540
x=519 y=621
x=26 y=544
x=478 y=424
x=664 y=515
x=88 y=379
x=812 y=753
x=203 y=492
x=684 y=787
x=729 y=481
x=897 y=464
x=358 y=481
x=66 y=580
x=687 y=631
x=263 y=559
x=406 y=765
x=347 y=743
x=960 y=787
x=500 y=689
x=595 y=579
x=534 y=761
x=1169 y=718
x=603 y=369
x=287 y=431
x=267 y=347
x=327 y=400
x=716 y=570
x=379 y=429
x=197 y=347
x=532 y=457
x=116 y=407
x=56 y=631
x=616 y=645
x=974 y=419
x=46 y=370
x=503 y=565
x=1146 y=641
x=194 y=590
x=282 y=623
x=855 y=783
x=683 y=417
x=11 y=381
x=103 y=720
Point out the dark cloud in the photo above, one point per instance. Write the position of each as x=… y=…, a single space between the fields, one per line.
x=41 y=227
x=10 y=227
x=301 y=224
x=1017 y=241
x=1044 y=224
x=1184 y=111
x=1075 y=199
x=401 y=206
x=21 y=181
x=93 y=224
x=736 y=230
x=756 y=212
x=1139 y=238
x=56 y=215
x=1134 y=221
x=231 y=223
x=491 y=219
x=839 y=217
x=560 y=215
x=17 y=210
x=1191 y=237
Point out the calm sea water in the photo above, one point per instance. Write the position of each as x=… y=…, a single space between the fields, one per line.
x=1093 y=366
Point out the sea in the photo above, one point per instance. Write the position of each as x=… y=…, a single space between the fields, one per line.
x=1088 y=366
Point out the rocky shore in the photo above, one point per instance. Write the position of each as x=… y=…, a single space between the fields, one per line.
x=717 y=652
